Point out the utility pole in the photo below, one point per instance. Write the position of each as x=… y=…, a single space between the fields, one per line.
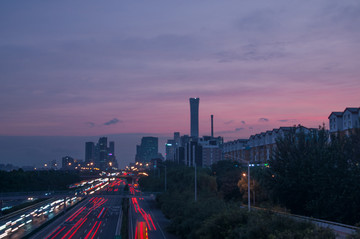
x=165 y=177
x=195 y=172
x=249 y=187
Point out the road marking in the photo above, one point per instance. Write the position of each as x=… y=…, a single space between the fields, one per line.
x=154 y=218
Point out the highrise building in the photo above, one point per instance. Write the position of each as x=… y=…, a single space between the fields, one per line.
x=112 y=147
x=177 y=139
x=89 y=152
x=170 y=149
x=102 y=150
x=147 y=150
x=194 y=117
x=101 y=155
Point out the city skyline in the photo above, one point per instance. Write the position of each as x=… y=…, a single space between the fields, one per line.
x=79 y=71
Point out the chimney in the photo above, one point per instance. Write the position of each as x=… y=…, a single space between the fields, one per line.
x=212 y=126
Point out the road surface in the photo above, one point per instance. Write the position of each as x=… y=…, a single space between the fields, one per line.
x=143 y=210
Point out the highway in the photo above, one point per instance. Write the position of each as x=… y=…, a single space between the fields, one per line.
x=23 y=222
x=19 y=224
x=96 y=217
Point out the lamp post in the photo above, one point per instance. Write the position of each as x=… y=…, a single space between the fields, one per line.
x=195 y=173
x=165 y=177
x=165 y=183
x=249 y=187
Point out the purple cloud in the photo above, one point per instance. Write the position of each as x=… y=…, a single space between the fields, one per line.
x=113 y=121
x=90 y=124
x=263 y=120
x=287 y=120
x=228 y=122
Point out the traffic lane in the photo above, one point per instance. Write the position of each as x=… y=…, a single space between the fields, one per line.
x=159 y=219
x=97 y=219
x=145 y=210
x=18 y=225
x=59 y=221
x=113 y=188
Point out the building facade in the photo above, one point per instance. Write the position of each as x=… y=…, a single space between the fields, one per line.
x=100 y=155
x=194 y=117
x=89 y=152
x=147 y=150
x=259 y=148
x=344 y=122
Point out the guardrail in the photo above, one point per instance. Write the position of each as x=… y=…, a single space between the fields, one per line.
x=342 y=230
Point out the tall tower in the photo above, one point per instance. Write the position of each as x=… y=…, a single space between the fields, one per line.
x=102 y=147
x=212 y=126
x=194 y=117
x=89 y=152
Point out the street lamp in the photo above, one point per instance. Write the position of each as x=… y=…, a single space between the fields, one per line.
x=161 y=164
x=194 y=161
x=165 y=177
x=249 y=187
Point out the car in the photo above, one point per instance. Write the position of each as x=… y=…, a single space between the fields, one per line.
x=141 y=231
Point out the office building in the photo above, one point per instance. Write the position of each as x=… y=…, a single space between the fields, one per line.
x=194 y=117
x=147 y=150
x=211 y=150
x=170 y=149
x=100 y=155
x=89 y=152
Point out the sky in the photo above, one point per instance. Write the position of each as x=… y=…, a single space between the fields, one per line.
x=72 y=71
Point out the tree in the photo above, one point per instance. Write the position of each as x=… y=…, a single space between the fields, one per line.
x=313 y=176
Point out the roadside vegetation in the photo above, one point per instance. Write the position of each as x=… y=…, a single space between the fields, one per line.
x=314 y=177
x=308 y=176
x=22 y=205
x=217 y=213
x=25 y=181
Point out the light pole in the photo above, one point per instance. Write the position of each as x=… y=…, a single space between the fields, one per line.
x=165 y=177
x=165 y=184
x=249 y=187
x=195 y=172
